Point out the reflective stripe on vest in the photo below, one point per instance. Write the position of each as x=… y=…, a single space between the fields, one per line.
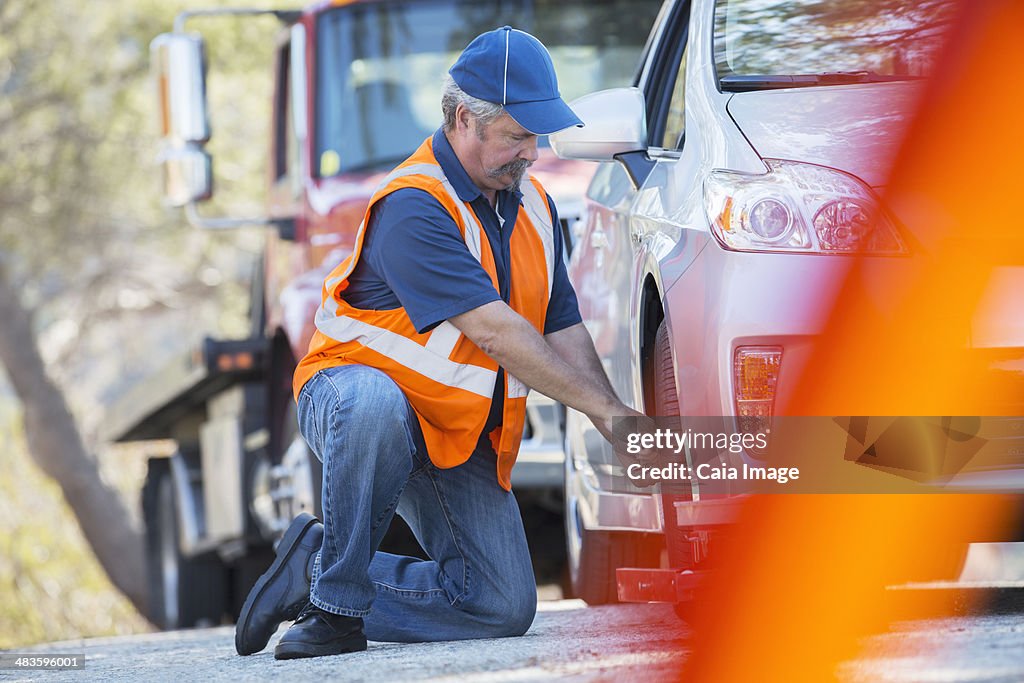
x=539 y=212
x=472 y=378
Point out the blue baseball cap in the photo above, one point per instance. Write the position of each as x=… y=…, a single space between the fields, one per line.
x=510 y=67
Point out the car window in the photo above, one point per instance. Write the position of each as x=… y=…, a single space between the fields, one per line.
x=666 y=83
x=675 y=119
x=610 y=184
x=801 y=43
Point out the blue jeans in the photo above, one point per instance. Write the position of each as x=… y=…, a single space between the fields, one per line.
x=479 y=581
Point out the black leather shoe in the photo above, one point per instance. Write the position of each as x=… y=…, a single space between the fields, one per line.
x=283 y=590
x=317 y=633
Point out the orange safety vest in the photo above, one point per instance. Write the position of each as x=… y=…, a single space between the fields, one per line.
x=448 y=380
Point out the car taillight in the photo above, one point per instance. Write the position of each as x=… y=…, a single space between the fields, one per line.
x=797 y=207
x=755 y=377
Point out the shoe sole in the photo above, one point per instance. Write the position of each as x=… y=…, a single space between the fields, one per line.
x=285 y=550
x=353 y=643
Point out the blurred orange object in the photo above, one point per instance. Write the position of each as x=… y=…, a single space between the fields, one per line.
x=802 y=577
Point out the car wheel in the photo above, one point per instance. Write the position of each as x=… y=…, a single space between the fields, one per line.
x=663 y=376
x=664 y=400
x=184 y=591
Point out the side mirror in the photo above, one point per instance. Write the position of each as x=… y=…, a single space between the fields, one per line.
x=179 y=68
x=615 y=122
x=187 y=174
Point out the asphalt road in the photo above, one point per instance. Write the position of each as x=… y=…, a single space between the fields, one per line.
x=567 y=640
x=988 y=649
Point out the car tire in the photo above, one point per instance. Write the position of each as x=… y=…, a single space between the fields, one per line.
x=664 y=396
x=662 y=375
x=184 y=591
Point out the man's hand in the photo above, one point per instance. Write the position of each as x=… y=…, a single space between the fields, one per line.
x=617 y=438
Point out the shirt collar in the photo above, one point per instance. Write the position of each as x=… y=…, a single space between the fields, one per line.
x=456 y=174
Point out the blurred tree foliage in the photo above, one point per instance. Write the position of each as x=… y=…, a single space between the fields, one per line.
x=50 y=586
x=98 y=283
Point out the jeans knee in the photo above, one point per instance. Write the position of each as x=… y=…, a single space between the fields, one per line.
x=374 y=396
x=505 y=616
x=356 y=409
x=522 y=614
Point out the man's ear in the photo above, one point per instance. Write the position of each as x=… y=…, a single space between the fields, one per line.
x=463 y=118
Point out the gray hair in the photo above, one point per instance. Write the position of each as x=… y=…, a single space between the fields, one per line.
x=452 y=96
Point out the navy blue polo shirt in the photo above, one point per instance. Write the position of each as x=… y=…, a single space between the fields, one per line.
x=414 y=257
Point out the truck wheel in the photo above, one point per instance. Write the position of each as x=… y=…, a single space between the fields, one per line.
x=593 y=580
x=594 y=556
x=184 y=591
x=601 y=553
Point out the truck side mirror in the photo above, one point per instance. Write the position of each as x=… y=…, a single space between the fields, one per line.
x=187 y=173
x=179 y=67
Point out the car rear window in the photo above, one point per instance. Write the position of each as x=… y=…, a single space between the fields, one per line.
x=790 y=43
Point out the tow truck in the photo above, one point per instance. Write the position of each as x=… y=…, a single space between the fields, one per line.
x=357 y=88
